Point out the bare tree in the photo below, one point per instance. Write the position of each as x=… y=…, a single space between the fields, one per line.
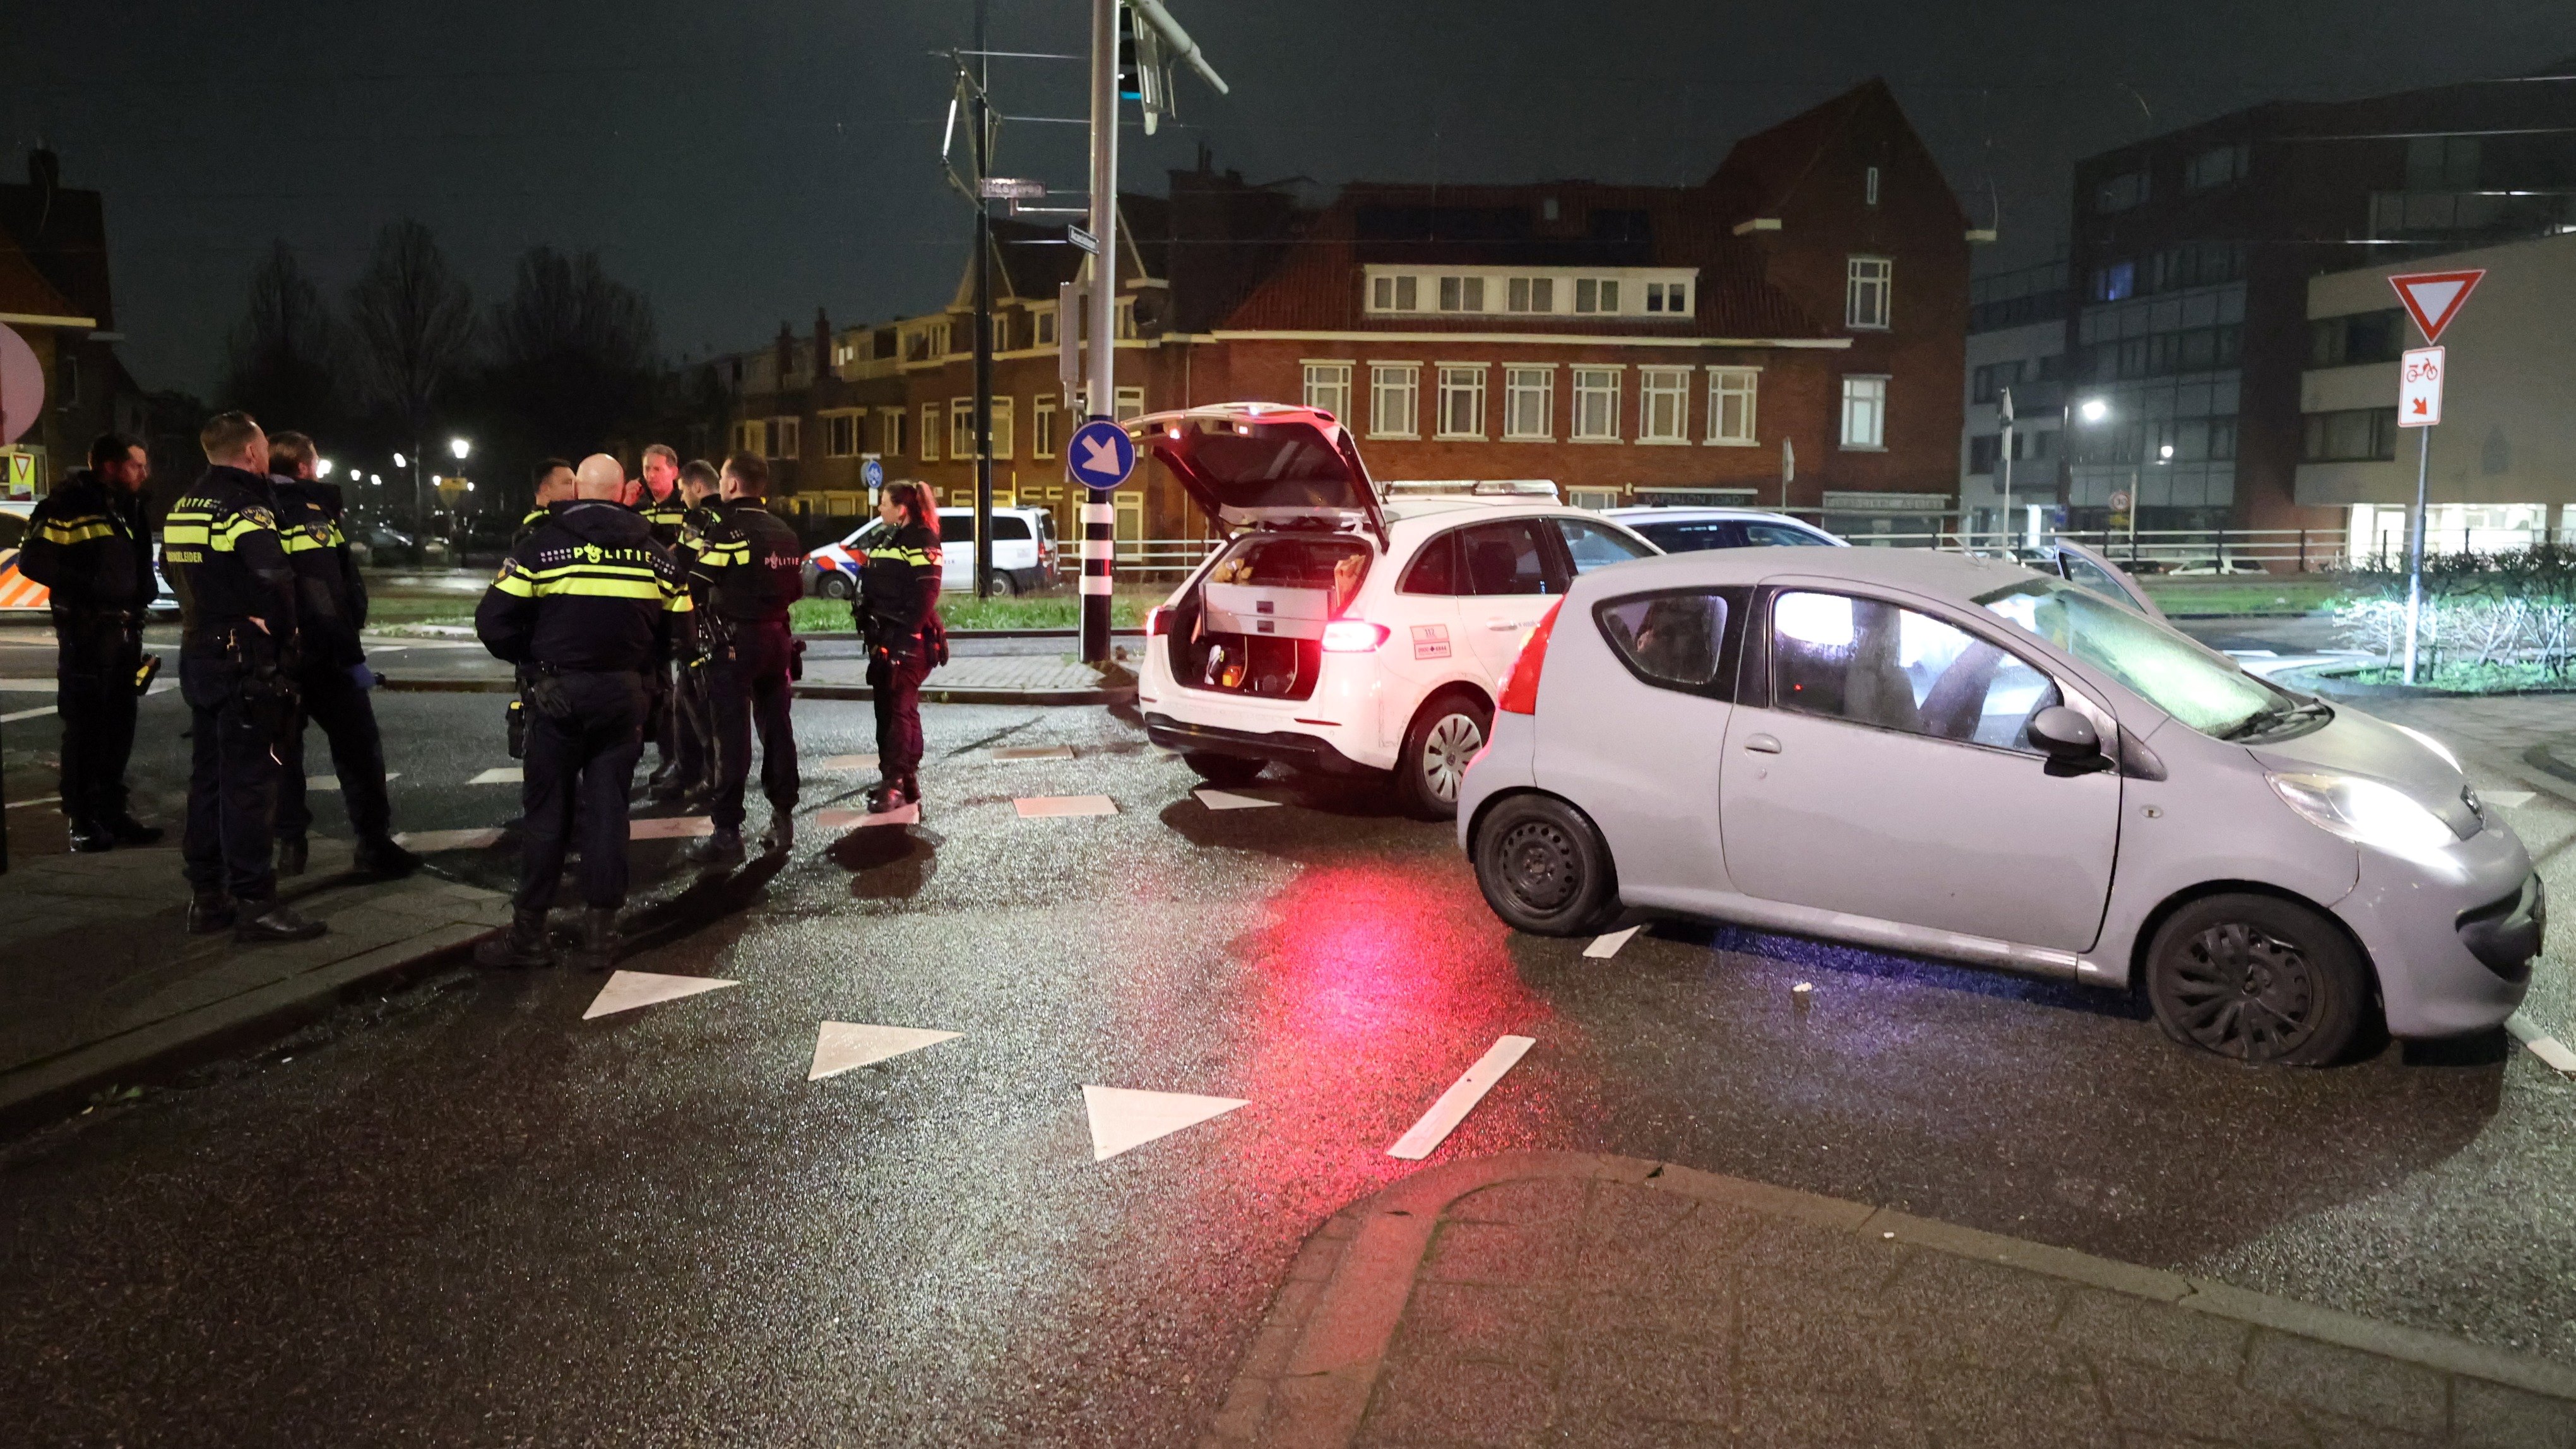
x=283 y=356
x=573 y=351
x=412 y=321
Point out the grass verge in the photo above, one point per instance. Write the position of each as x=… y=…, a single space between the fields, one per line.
x=965 y=611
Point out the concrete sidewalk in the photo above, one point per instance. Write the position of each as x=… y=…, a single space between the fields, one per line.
x=104 y=984
x=966 y=679
x=1572 y=1299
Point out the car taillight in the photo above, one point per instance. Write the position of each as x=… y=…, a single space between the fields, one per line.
x=1159 y=621
x=1520 y=690
x=1353 y=636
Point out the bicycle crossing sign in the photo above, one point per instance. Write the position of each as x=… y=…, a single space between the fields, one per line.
x=2419 y=387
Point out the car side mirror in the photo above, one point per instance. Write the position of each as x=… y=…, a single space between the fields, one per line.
x=2069 y=741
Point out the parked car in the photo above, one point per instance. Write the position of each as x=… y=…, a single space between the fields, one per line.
x=1960 y=758
x=1333 y=631
x=374 y=545
x=2216 y=567
x=1024 y=553
x=1686 y=530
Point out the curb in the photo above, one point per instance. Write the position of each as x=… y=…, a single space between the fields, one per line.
x=810 y=691
x=1308 y=1376
x=54 y=1087
x=846 y=636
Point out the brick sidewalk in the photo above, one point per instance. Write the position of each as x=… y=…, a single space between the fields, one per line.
x=1571 y=1299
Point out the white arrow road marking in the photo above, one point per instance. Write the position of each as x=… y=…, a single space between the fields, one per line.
x=430 y=842
x=1122 y=1118
x=1220 y=800
x=1043 y=807
x=675 y=827
x=501 y=775
x=842 y=1045
x=1460 y=1099
x=1101 y=457
x=858 y=819
x=2542 y=1045
x=1605 y=947
x=627 y=990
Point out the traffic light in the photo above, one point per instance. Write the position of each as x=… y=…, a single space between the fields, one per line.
x=1129 y=88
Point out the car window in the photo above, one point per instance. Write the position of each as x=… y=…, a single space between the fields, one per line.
x=1009 y=529
x=1503 y=558
x=1693 y=537
x=1781 y=535
x=1593 y=546
x=2205 y=691
x=1435 y=569
x=957 y=528
x=1673 y=640
x=1874 y=663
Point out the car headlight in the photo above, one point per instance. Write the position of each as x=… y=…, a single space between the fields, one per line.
x=2436 y=746
x=2364 y=811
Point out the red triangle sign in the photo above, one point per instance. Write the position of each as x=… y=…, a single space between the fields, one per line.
x=2434 y=298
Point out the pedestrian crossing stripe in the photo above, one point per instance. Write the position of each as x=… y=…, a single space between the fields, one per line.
x=843 y=1046
x=674 y=827
x=627 y=990
x=500 y=775
x=1035 y=752
x=1122 y=1117
x=430 y=842
x=1049 y=807
x=860 y=819
x=844 y=764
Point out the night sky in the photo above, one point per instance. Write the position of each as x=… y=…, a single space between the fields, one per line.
x=744 y=162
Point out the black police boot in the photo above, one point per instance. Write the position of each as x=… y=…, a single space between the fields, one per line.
x=210 y=912
x=524 y=946
x=262 y=921
x=599 y=940
x=89 y=837
x=723 y=848
x=130 y=831
x=291 y=853
x=893 y=793
x=383 y=860
x=780 y=837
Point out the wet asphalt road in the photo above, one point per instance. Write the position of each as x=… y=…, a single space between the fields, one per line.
x=466 y=1215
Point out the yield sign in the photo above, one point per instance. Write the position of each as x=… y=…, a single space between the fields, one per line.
x=2434 y=298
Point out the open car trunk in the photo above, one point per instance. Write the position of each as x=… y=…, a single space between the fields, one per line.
x=1254 y=624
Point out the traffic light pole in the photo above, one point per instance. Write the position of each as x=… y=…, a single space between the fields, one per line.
x=983 y=320
x=1098 y=515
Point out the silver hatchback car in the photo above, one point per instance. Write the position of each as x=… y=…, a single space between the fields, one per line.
x=1961 y=758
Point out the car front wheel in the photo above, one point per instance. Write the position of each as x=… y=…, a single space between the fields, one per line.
x=1437 y=748
x=1544 y=869
x=2259 y=979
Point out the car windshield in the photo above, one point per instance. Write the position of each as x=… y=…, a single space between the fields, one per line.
x=2206 y=692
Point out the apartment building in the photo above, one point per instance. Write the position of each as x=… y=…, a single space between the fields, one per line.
x=2016 y=347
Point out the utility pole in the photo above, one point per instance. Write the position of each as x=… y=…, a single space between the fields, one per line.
x=2007 y=461
x=2415 y=547
x=982 y=143
x=1099 y=516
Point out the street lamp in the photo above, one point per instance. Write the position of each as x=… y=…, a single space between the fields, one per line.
x=460 y=448
x=321 y=467
x=2094 y=410
x=398 y=461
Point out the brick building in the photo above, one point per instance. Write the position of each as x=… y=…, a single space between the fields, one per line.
x=54 y=295
x=1631 y=344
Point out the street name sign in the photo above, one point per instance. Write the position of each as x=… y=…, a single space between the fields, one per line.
x=1099 y=455
x=2419 y=388
x=1082 y=239
x=1010 y=188
x=2434 y=298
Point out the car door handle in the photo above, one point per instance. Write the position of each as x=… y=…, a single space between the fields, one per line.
x=1762 y=745
x=1504 y=624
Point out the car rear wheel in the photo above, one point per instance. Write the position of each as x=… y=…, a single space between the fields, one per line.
x=1219 y=769
x=2259 y=979
x=1001 y=585
x=833 y=585
x=1443 y=738
x=1544 y=869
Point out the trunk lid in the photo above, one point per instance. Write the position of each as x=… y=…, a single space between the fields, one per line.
x=1265 y=464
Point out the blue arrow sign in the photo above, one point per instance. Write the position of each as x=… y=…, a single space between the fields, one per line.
x=872 y=473
x=1099 y=454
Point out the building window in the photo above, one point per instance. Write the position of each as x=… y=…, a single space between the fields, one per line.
x=752 y=437
x=1392 y=294
x=1532 y=294
x=1328 y=388
x=1046 y=328
x=1126 y=317
x=1462 y=294
x=1042 y=431
x=1596 y=294
x=2353 y=436
x=2217 y=167
x=841 y=435
x=1462 y=400
x=1732 y=392
x=1127 y=402
x=930 y=432
x=2361 y=337
x=1869 y=188
x=1867 y=283
x=890 y=423
x=2441 y=163
x=1865 y=413
x=1596 y=404
x=1395 y=399
x=2119 y=193
x=961 y=428
x=1529 y=402
x=1668 y=297
x=1663 y=405
x=2116 y=282
x=1001 y=427
x=783 y=437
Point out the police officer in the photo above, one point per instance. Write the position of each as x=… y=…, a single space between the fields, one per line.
x=553 y=479
x=754 y=567
x=663 y=508
x=585 y=606
x=89 y=545
x=237 y=645
x=333 y=679
x=702 y=503
x=897 y=610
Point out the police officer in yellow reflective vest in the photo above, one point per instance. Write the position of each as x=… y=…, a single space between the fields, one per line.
x=754 y=568
x=897 y=611
x=237 y=645
x=663 y=508
x=586 y=607
x=553 y=479
x=88 y=544
x=333 y=683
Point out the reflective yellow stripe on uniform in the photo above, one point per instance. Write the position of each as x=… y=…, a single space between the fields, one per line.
x=304 y=541
x=911 y=557
x=224 y=537
x=69 y=531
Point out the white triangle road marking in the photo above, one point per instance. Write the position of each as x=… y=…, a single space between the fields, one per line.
x=430 y=842
x=860 y=819
x=627 y=990
x=843 y=1045
x=1221 y=800
x=1605 y=947
x=1461 y=1099
x=670 y=827
x=1047 y=807
x=500 y=775
x=1122 y=1117
x=2507 y=798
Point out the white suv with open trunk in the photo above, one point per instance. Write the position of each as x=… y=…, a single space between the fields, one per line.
x=1335 y=632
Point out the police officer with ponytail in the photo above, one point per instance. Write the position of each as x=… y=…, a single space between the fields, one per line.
x=898 y=617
